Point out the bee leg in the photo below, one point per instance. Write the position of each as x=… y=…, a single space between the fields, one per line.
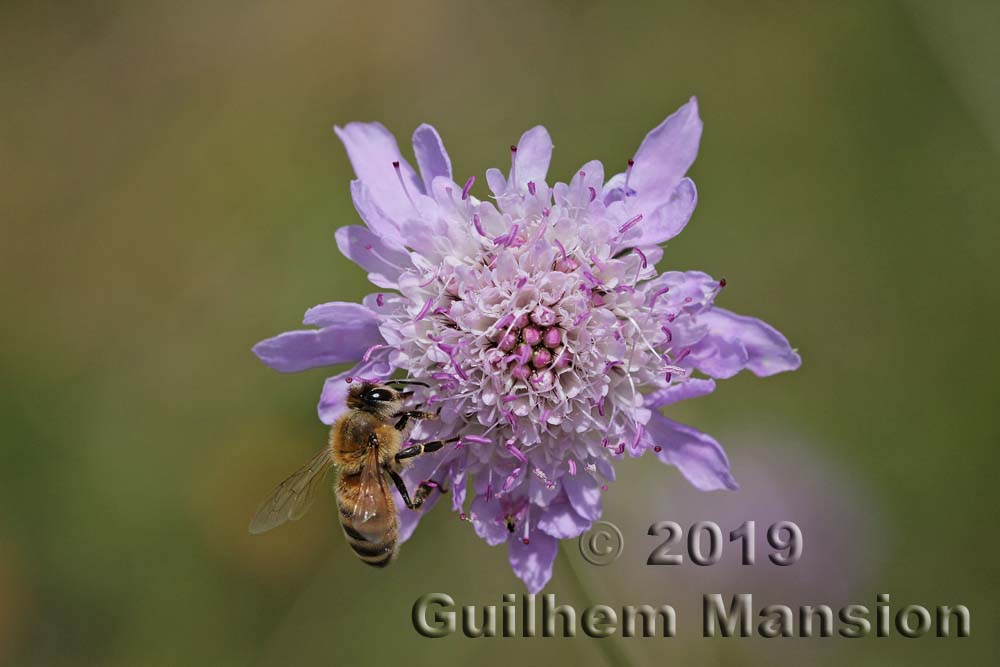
x=425 y=489
x=423 y=448
x=405 y=417
x=401 y=486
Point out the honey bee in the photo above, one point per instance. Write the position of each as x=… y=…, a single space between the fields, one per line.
x=366 y=446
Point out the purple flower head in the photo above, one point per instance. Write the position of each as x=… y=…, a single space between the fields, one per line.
x=548 y=338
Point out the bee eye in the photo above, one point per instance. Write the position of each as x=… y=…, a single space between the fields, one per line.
x=378 y=395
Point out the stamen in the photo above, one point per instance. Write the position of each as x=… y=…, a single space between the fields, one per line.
x=513 y=164
x=593 y=192
x=434 y=276
x=478 y=225
x=656 y=295
x=722 y=283
x=399 y=175
x=657 y=449
x=511 y=478
x=379 y=300
x=423 y=311
x=643 y=256
x=639 y=432
x=370 y=351
x=478 y=439
x=562 y=248
x=531 y=188
x=468 y=187
x=630 y=223
x=572 y=468
x=628 y=175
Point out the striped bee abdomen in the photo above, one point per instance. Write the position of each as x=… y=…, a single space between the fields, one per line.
x=374 y=540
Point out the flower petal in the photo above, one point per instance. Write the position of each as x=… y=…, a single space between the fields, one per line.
x=534 y=152
x=337 y=312
x=584 y=494
x=561 y=521
x=697 y=455
x=372 y=150
x=484 y=520
x=423 y=468
x=345 y=340
x=735 y=342
x=664 y=156
x=681 y=391
x=383 y=262
x=376 y=219
x=532 y=562
x=666 y=221
x=432 y=158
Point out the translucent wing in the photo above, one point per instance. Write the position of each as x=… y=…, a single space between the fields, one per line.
x=293 y=496
x=369 y=489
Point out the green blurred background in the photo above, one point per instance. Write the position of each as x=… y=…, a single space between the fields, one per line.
x=169 y=188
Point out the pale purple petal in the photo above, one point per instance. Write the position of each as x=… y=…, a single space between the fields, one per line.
x=681 y=391
x=423 y=468
x=373 y=216
x=561 y=521
x=336 y=312
x=432 y=158
x=383 y=262
x=664 y=156
x=584 y=493
x=735 y=342
x=372 y=150
x=697 y=455
x=532 y=562
x=485 y=520
x=534 y=152
x=668 y=220
x=338 y=343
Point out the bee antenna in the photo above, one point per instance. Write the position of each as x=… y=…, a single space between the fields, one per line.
x=417 y=382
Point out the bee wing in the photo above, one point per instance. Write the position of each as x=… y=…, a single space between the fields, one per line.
x=292 y=498
x=369 y=489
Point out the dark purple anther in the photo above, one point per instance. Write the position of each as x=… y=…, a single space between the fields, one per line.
x=531 y=335
x=507 y=342
x=523 y=353
x=541 y=358
x=552 y=338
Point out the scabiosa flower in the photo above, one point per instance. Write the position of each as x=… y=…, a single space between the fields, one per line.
x=548 y=337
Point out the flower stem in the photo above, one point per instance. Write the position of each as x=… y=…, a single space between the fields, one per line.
x=613 y=652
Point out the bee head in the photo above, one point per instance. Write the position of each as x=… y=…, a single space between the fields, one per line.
x=377 y=398
x=380 y=398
